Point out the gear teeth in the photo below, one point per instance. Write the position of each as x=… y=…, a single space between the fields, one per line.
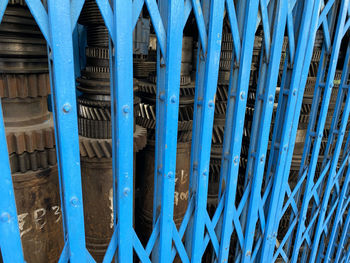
x=32 y=161
x=102 y=148
x=38 y=137
x=24 y=85
x=95 y=129
x=316 y=55
x=94 y=113
x=143 y=68
x=151 y=88
x=222 y=93
x=220 y=108
x=97 y=52
x=218 y=134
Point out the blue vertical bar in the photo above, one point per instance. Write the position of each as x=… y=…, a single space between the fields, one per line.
x=122 y=110
x=202 y=129
x=201 y=62
x=63 y=92
x=238 y=93
x=10 y=241
x=265 y=96
x=168 y=88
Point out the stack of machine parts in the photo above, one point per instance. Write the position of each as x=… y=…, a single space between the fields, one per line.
x=24 y=91
x=146 y=158
x=95 y=137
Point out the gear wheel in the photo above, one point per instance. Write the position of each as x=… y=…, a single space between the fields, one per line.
x=30 y=138
x=102 y=148
x=24 y=85
x=32 y=161
x=95 y=128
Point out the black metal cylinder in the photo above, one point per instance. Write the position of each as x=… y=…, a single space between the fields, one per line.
x=97 y=183
x=145 y=172
x=39 y=214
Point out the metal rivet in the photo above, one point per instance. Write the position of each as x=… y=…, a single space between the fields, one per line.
x=211 y=104
x=159 y=170
x=285 y=148
x=162 y=96
x=262 y=158
x=74 y=201
x=173 y=99
x=294 y=92
x=270 y=98
x=242 y=95
x=236 y=160
x=126 y=191
x=170 y=174
x=248 y=253
x=126 y=109
x=66 y=107
x=205 y=173
x=5 y=217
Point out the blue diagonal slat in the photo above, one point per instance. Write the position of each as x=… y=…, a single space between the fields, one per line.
x=137 y=6
x=231 y=10
x=107 y=14
x=39 y=13
x=158 y=25
x=202 y=29
x=76 y=7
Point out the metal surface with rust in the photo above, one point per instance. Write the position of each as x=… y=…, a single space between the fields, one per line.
x=102 y=148
x=24 y=85
x=145 y=177
x=39 y=214
x=28 y=125
x=97 y=187
x=32 y=161
x=22 y=46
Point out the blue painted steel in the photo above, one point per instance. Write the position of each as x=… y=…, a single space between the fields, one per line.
x=234 y=123
x=107 y=14
x=265 y=95
x=39 y=13
x=267 y=196
x=168 y=88
x=206 y=84
x=66 y=125
x=317 y=142
x=122 y=129
x=344 y=189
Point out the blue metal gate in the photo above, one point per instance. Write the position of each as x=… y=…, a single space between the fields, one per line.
x=312 y=203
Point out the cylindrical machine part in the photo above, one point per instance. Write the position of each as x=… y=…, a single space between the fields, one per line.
x=39 y=214
x=145 y=173
x=97 y=184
